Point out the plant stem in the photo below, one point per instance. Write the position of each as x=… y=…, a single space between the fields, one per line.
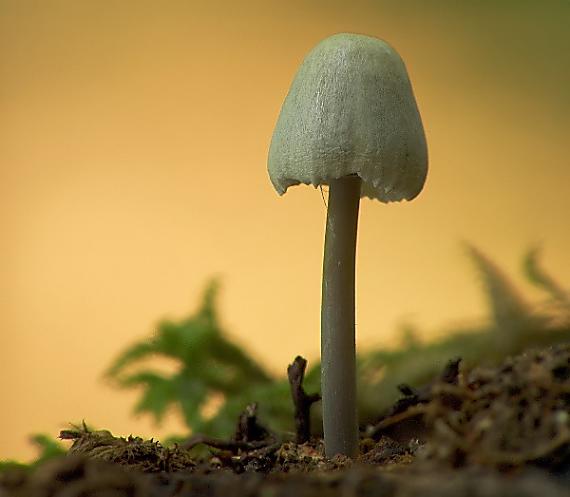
x=338 y=349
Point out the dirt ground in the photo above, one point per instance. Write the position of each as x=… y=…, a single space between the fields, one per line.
x=484 y=433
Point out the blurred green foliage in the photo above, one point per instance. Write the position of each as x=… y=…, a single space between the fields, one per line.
x=48 y=449
x=210 y=366
x=513 y=326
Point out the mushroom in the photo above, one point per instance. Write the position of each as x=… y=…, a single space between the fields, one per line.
x=349 y=121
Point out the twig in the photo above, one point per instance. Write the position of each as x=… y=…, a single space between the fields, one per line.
x=248 y=428
x=301 y=401
x=218 y=443
x=410 y=412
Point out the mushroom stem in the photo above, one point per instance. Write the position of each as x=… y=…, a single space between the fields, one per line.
x=338 y=349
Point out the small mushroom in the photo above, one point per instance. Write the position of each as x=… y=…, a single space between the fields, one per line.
x=349 y=121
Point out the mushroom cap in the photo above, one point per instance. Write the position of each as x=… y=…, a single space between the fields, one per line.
x=351 y=110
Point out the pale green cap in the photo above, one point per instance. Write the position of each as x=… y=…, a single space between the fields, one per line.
x=351 y=110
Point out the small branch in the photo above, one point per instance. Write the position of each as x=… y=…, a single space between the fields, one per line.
x=218 y=443
x=249 y=435
x=248 y=428
x=393 y=419
x=451 y=372
x=301 y=401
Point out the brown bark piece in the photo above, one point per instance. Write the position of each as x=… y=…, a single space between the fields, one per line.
x=301 y=400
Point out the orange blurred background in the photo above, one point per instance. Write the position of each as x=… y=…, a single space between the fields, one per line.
x=133 y=144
